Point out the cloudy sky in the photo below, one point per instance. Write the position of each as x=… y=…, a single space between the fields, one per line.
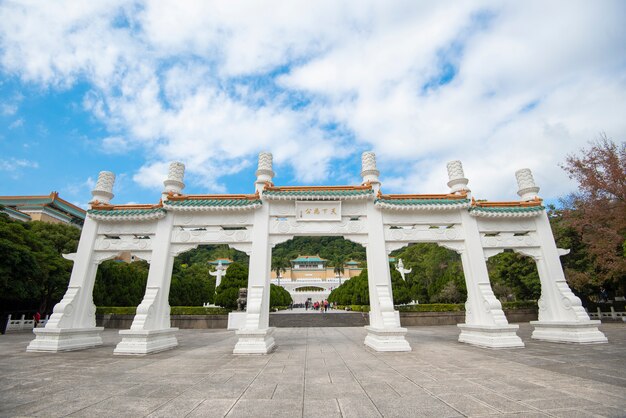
x=129 y=86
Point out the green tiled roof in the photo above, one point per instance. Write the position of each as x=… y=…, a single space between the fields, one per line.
x=212 y=202
x=125 y=212
x=305 y=259
x=328 y=193
x=417 y=202
x=508 y=209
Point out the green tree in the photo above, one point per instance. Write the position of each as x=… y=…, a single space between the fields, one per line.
x=514 y=276
x=228 y=291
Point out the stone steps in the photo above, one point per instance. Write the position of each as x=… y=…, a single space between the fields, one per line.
x=307 y=320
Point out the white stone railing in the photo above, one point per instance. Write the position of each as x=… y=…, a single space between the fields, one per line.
x=24 y=324
x=613 y=315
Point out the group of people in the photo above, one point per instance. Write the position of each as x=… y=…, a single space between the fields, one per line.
x=321 y=306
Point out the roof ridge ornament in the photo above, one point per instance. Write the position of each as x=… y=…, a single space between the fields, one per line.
x=457 y=180
x=369 y=171
x=527 y=189
x=174 y=182
x=264 y=173
x=103 y=192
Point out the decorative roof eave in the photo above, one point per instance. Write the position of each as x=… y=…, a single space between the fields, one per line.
x=124 y=213
x=364 y=192
x=203 y=203
x=422 y=202
x=523 y=209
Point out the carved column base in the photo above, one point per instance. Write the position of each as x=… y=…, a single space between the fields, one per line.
x=141 y=342
x=236 y=320
x=491 y=336
x=65 y=339
x=255 y=341
x=386 y=339
x=585 y=332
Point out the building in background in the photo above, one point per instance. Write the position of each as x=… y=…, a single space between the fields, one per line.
x=50 y=208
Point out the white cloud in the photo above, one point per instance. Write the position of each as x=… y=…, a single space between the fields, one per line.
x=17 y=123
x=212 y=84
x=15 y=164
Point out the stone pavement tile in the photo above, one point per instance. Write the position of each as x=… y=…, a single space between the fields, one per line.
x=326 y=408
x=259 y=391
x=359 y=406
x=572 y=413
x=331 y=390
x=560 y=403
x=416 y=408
x=524 y=395
x=210 y=408
x=121 y=406
x=467 y=405
x=288 y=391
x=259 y=408
x=605 y=411
x=176 y=408
x=501 y=403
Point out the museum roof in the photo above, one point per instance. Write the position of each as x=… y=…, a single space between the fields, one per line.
x=35 y=203
x=310 y=258
x=318 y=192
x=224 y=261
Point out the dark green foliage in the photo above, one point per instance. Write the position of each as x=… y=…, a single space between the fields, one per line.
x=228 y=291
x=120 y=284
x=192 y=285
x=352 y=292
x=279 y=296
x=433 y=307
x=401 y=289
x=436 y=276
x=33 y=274
x=327 y=247
x=514 y=277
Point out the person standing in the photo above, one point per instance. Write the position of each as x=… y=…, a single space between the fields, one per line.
x=36 y=319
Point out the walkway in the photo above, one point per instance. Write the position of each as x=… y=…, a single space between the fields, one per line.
x=319 y=372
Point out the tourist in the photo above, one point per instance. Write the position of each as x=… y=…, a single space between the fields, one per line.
x=306 y=305
x=36 y=319
x=325 y=305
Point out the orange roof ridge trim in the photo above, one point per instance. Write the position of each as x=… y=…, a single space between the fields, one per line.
x=461 y=195
x=104 y=206
x=180 y=197
x=315 y=188
x=535 y=202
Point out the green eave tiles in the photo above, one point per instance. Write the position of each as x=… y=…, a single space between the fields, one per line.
x=213 y=202
x=417 y=202
x=514 y=209
x=128 y=212
x=330 y=193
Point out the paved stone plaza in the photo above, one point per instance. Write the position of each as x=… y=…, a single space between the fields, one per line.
x=321 y=372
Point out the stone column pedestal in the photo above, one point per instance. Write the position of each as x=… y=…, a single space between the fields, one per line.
x=255 y=341
x=585 y=332
x=141 y=342
x=65 y=339
x=386 y=339
x=490 y=336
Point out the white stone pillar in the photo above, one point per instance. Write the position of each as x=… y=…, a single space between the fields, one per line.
x=264 y=172
x=561 y=315
x=485 y=323
x=256 y=337
x=72 y=325
x=384 y=332
x=151 y=329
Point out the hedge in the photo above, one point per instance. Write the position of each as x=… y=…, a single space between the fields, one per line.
x=174 y=310
x=432 y=307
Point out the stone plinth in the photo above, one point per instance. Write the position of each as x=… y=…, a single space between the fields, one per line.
x=255 y=341
x=236 y=320
x=495 y=336
x=586 y=332
x=140 y=342
x=386 y=339
x=65 y=339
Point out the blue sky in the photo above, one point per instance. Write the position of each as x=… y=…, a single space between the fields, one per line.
x=130 y=86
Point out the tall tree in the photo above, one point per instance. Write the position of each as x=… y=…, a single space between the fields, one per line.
x=597 y=212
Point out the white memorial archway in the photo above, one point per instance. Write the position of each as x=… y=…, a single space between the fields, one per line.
x=257 y=222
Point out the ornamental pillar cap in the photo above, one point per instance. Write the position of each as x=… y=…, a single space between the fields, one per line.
x=457 y=180
x=369 y=171
x=103 y=192
x=264 y=173
x=175 y=175
x=527 y=189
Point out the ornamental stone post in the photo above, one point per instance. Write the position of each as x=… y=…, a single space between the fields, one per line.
x=369 y=171
x=72 y=325
x=527 y=189
x=264 y=173
x=174 y=182
x=457 y=181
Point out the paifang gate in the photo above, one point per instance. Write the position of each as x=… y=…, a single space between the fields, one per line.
x=255 y=223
